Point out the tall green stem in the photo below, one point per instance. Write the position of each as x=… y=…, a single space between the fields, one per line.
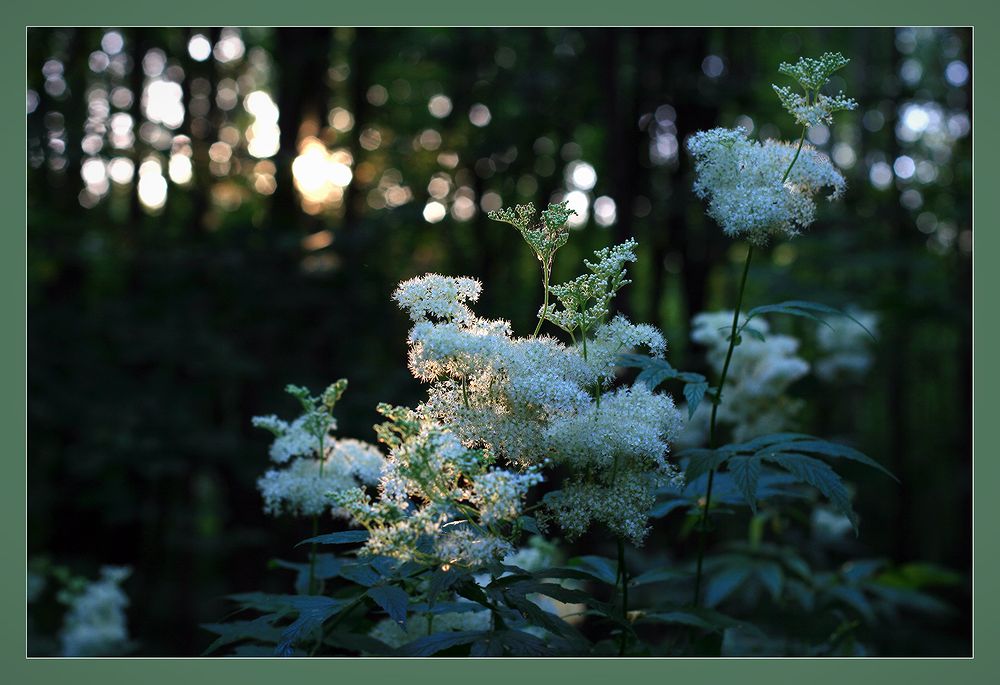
x=315 y=527
x=623 y=574
x=802 y=139
x=716 y=401
x=546 y=274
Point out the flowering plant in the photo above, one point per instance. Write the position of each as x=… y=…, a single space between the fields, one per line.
x=522 y=440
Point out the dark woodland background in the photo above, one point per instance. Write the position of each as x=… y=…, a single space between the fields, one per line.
x=188 y=257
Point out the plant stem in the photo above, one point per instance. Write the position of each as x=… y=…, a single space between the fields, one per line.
x=623 y=574
x=546 y=273
x=315 y=523
x=716 y=401
x=802 y=139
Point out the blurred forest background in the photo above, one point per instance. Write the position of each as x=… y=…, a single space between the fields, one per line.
x=216 y=212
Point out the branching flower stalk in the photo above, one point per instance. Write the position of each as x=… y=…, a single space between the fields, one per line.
x=544 y=237
x=734 y=175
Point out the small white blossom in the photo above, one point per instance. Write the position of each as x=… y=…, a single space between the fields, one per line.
x=433 y=296
x=95 y=623
x=301 y=488
x=814 y=110
x=760 y=373
x=631 y=425
x=499 y=494
x=742 y=181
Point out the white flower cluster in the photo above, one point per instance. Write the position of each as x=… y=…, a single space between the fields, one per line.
x=304 y=484
x=846 y=347
x=95 y=623
x=742 y=181
x=438 y=500
x=810 y=110
x=436 y=297
x=760 y=373
x=533 y=402
x=812 y=107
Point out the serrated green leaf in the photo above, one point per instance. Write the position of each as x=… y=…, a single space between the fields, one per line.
x=542 y=618
x=745 y=472
x=658 y=575
x=783 y=308
x=260 y=629
x=770 y=575
x=601 y=568
x=361 y=573
x=702 y=460
x=819 y=475
x=653 y=376
x=343 y=537
x=751 y=446
x=694 y=393
x=393 y=600
x=524 y=644
x=432 y=644
x=826 y=309
x=830 y=449
x=723 y=584
x=359 y=642
x=313 y=611
x=529 y=524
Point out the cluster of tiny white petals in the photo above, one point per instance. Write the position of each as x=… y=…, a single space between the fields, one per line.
x=438 y=501
x=760 y=373
x=303 y=484
x=846 y=347
x=455 y=350
x=815 y=109
x=498 y=494
x=742 y=181
x=631 y=426
x=95 y=623
x=468 y=546
x=535 y=403
x=300 y=489
x=619 y=336
x=291 y=439
x=437 y=297
x=363 y=460
x=622 y=506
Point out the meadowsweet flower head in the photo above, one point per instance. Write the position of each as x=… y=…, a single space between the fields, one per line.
x=501 y=410
x=436 y=297
x=544 y=236
x=439 y=501
x=811 y=107
x=742 y=181
x=95 y=623
x=622 y=505
x=313 y=462
x=760 y=373
x=813 y=74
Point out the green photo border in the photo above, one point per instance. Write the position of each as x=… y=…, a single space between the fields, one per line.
x=17 y=669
